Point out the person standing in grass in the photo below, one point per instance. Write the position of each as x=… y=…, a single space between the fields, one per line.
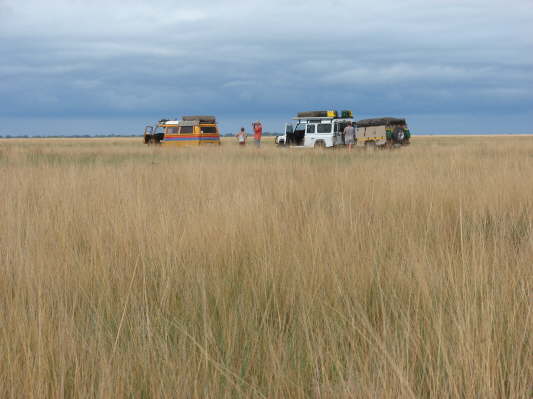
x=241 y=136
x=349 y=136
x=258 y=132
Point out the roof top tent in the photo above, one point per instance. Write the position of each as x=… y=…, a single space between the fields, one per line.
x=386 y=121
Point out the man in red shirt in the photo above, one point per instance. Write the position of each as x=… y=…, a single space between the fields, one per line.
x=258 y=132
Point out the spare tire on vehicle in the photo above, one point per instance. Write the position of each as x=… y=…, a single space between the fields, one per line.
x=398 y=135
x=201 y=118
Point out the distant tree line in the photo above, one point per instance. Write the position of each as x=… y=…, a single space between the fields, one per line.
x=73 y=136
x=85 y=136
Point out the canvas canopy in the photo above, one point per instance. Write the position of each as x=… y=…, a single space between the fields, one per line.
x=381 y=122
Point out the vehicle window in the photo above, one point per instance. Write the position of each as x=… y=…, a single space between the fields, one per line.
x=186 y=129
x=324 y=128
x=208 y=129
x=311 y=128
x=171 y=130
x=289 y=129
x=339 y=127
x=300 y=128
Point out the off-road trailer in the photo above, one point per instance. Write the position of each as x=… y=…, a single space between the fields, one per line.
x=385 y=131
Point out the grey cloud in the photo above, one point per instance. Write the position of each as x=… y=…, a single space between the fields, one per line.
x=124 y=58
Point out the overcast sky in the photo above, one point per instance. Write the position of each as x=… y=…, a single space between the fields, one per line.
x=97 y=67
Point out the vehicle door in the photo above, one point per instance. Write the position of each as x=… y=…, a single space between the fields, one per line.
x=159 y=134
x=289 y=133
x=338 y=130
x=148 y=130
x=299 y=134
x=310 y=135
x=324 y=132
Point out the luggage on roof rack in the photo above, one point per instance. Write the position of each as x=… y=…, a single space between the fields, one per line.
x=346 y=114
x=317 y=114
x=381 y=122
x=200 y=118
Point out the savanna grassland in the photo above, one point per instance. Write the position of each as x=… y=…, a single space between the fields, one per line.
x=221 y=272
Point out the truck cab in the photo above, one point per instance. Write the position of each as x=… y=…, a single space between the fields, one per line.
x=316 y=129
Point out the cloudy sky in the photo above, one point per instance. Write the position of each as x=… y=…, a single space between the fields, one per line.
x=98 y=67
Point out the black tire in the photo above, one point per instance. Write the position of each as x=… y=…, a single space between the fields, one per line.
x=320 y=144
x=398 y=135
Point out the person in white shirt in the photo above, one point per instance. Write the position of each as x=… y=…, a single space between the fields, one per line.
x=349 y=136
x=241 y=136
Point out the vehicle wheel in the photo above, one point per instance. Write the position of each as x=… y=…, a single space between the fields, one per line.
x=320 y=144
x=398 y=135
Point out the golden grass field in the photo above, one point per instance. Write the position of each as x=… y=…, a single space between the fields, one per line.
x=222 y=272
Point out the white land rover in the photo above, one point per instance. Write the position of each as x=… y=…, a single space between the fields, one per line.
x=316 y=129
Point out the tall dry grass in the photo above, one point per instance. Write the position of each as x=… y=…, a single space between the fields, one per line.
x=128 y=271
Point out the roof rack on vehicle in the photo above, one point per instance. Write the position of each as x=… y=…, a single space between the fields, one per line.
x=200 y=118
x=344 y=114
x=317 y=114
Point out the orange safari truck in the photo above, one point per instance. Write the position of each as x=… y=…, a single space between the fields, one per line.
x=190 y=130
